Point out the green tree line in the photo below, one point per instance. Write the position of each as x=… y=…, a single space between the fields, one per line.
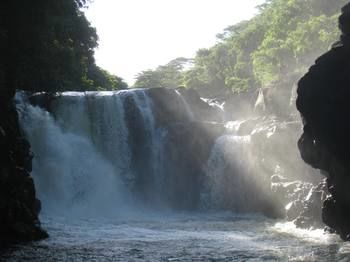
x=282 y=40
x=48 y=45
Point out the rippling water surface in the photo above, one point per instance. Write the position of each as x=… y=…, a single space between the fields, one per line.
x=180 y=237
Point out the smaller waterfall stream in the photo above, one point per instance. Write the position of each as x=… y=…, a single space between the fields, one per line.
x=223 y=184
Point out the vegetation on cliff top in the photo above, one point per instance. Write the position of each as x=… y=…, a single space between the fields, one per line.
x=283 y=39
x=48 y=45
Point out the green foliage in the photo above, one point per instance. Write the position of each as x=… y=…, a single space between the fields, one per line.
x=281 y=41
x=103 y=80
x=296 y=32
x=169 y=75
x=49 y=46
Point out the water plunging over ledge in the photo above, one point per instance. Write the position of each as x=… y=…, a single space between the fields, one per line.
x=123 y=177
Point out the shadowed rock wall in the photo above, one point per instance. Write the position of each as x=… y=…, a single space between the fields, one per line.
x=19 y=207
x=323 y=101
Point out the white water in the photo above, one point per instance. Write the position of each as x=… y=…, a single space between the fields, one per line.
x=83 y=171
x=94 y=151
x=88 y=185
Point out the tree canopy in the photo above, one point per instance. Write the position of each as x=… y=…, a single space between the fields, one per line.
x=282 y=39
x=49 y=45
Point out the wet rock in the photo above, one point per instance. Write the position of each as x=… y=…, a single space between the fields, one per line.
x=335 y=212
x=274 y=159
x=302 y=201
x=274 y=147
x=184 y=104
x=311 y=214
x=203 y=109
x=43 y=100
x=170 y=106
x=185 y=163
x=185 y=142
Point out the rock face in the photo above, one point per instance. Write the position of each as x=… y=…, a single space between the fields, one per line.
x=302 y=201
x=189 y=140
x=275 y=160
x=19 y=207
x=323 y=95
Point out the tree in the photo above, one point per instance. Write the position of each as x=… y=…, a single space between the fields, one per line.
x=278 y=43
x=102 y=80
x=169 y=75
x=49 y=45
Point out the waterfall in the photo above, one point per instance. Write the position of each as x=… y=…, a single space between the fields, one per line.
x=100 y=118
x=100 y=151
x=226 y=171
x=108 y=152
x=71 y=175
x=155 y=138
x=186 y=106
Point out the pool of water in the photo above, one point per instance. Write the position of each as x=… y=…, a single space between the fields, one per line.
x=179 y=237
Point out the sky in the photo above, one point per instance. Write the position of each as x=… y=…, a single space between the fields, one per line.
x=137 y=35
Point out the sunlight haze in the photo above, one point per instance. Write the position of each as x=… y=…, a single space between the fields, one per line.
x=139 y=35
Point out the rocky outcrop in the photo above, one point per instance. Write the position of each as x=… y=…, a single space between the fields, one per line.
x=275 y=160
x=302 y=201
x=19 y=207
x=323 y=101
x=184 y=103
x=254 y=164
x=273 y=142
x=188 y=142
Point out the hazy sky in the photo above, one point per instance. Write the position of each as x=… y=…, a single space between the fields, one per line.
x=137 y=35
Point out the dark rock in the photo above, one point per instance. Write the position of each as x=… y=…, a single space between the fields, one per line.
x=19 y=207
x=186 y=141
x=311 y=215
x=323 y=101
x=43 y=100
x=241 y=105
x=207 y=110
x=184 y=126
x=274 y=158
x=274 y=146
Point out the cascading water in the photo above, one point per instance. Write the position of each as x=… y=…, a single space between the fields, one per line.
x=186 y=106
x=71 y=175
x=155 y=140
x=103 y=160
x=229 y=151
x=98 y=141
x=233 y=179
x=106 y=149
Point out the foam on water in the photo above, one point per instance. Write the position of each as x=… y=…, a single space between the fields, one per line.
x=311 y=235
